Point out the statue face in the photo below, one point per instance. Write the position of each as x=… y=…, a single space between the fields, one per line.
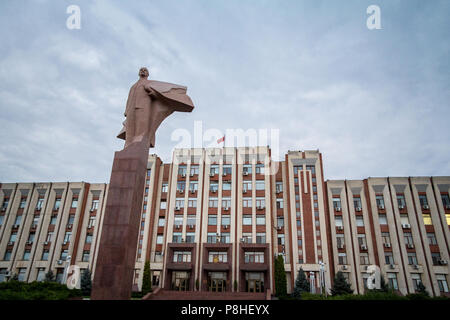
x=143 y=72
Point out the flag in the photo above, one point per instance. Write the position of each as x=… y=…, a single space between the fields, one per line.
x=221 y=139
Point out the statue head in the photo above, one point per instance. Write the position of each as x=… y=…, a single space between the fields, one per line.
x=143 y=72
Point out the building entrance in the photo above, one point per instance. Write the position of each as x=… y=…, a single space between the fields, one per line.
x=180 y=281
x=217 y=281
x=254 y=281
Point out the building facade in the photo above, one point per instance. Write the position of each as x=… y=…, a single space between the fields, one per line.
x=216 y=219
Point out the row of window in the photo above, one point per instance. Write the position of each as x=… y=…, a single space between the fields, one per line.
x=56 y=205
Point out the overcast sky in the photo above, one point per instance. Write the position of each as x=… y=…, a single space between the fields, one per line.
x=374 y=102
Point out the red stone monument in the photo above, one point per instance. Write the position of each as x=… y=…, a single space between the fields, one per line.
x=149 y=103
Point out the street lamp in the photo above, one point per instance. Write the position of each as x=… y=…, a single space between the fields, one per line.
x=322 y=277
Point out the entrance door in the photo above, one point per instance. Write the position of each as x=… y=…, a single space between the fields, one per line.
x=217 y=281
x=180 y=281
x=255 y=282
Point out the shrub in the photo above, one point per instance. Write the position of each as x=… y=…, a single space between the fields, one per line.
x=86 y=283
x=340 y=285
x=17 y=290
x=280 y=277
x=146 y=281
x=301 y=284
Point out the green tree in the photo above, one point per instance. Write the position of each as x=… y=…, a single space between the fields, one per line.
x=280 y=277
x=340 y=285
x=301 y=284
x=146 y=281
x=86 y=283
x=50 y=277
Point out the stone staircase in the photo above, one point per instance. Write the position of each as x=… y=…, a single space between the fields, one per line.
x=161 y=294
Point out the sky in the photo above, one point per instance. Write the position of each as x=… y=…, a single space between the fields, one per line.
x=374 y=102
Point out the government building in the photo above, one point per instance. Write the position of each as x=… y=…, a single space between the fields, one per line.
x=215 y=220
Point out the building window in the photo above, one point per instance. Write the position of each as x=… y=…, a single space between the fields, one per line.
x=21 y=274
x=190 y=237
x=17 y=221
x=382 y=219
x=163 y=205
x=401 y=201
x=280 y=222
x=49 y=236
x=182 y=170
x=359 y=221
x=26 y=255
x=7 y=256
x=279 y=187
x=423 y=200
x=159 y=239
x=338 y=221
x=260 y=203
x=442 y=282
x=226 y=203
x=64 y=254
x=89 y=238
x=86 y=256
x=247 y=220
x=192 y=203
x=389 y=258
x=427 y=219
x=386 y=238
x=357 y=204
x=362 y=241
x=312 y=168
x=225 y=237
x=67 y=237
x=412 y=258
x=380 y=201
x=254 y=257
x=57 y=204
x=39 y=203
x=392 y=280
x=260 y=185
x=23 y=201
x=13 y=237
x=225 y=220
x=94 y=205
x=181 y=185
x=191 y=220
x=40 y=274
x=5 y=204
x=211 y=237
x=260 y=220
x=408 y=238
x=217 y=257
x=179 y=203
x=342 y=258
x=280 y=239
x=178 y=221
x=247 y=168
x=364 y=258
x=214 y=186
x=45 y=255
x=261 y=238
x=247 y=237
x=226 y=186
x=436 y=257
x=74 y=203
x=337 y=204
x=149 y=172
x=279 y=203
x=246 y=186
x=226 y=169
x=164 y=187
x=212 y=220
x=53 y=220
x=340 y=241
x=247 y=202
x=259 y=168
x=194 y=170
x=213 y=202
x=161 y=222
x=176 y=237
x=91 y=222
x=431 y=238
x=416 y=279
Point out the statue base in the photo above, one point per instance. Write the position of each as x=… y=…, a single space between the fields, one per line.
x=116 y=258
